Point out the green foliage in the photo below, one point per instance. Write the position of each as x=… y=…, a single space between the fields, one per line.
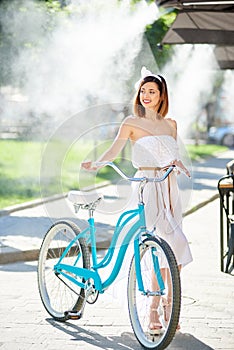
x=20 y=170
x=24 y=29
x=197 y=152
x=18 y=42
x=155 y=33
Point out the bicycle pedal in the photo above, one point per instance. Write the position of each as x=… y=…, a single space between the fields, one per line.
x=73 y=315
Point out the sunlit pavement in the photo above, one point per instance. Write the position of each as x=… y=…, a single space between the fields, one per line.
x=207 y=315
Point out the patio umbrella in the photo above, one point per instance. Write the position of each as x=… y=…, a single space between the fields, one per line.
x=200 y=21
x=225 y=56
x=204 y=5
x=204 y=22
x=200 y=27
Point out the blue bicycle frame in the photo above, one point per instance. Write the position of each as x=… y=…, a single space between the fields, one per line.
x=136 y=233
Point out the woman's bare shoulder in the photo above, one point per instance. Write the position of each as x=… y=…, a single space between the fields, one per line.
x=173 y=126
x=172 y=122
x=131 y=120
x=130 y=126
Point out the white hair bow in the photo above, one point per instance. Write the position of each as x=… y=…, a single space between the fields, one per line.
x=146 y=73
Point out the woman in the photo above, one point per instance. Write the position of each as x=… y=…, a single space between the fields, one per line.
x=154 y=146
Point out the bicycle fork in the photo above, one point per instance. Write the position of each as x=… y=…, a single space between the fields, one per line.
x=140 y=245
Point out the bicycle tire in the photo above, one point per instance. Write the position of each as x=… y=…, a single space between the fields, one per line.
x=57 y=296
x=139 y=304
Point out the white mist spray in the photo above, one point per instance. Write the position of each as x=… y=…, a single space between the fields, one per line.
x=227 y=101
x=190 y=76
x=87 y=59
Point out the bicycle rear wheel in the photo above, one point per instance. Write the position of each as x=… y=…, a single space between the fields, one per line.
x=160 y=277
x=58 y=294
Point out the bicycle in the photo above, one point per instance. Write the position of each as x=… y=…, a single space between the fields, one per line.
x=68 y=268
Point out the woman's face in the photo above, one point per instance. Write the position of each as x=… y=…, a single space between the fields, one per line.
x=150 y=95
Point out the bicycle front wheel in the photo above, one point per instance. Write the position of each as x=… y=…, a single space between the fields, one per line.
x=154 y=320
x=58 y=294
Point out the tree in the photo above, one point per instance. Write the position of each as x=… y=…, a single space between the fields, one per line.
x=15 y=17
x=155 y=33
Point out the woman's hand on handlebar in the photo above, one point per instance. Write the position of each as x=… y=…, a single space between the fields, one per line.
x=91 y=166
x=88 y=165
x=180 y=167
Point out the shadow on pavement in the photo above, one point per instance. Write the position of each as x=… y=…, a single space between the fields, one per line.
x=125 y=340
x=213 y=162
x=208 y=171
x=21 y=236
x=187 y=341
x=36 y=227
x=20 y=267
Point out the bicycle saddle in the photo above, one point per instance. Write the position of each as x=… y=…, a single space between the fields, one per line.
x=84 y=198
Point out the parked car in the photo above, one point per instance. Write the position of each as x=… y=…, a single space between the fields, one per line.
x=223 y=135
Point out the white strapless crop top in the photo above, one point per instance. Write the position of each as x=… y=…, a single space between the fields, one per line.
x=154 y=151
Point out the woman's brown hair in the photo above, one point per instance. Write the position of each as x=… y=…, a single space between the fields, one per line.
x=162 y=110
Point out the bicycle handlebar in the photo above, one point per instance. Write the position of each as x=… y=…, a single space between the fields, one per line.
x=168 y=169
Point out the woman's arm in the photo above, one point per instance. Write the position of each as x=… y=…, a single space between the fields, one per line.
x=178 y=162
x=118 y=144
x=173 y=126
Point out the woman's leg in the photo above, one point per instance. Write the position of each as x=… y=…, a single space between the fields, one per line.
x=167 y=301
x=155 y=325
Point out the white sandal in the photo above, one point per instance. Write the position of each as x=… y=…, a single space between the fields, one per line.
x=155 y=327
